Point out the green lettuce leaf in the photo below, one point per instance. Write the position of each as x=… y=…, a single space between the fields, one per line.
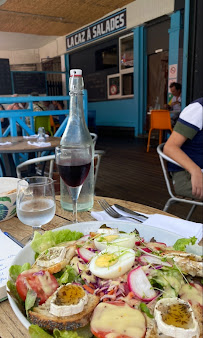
x=181 y=243
x=37 y=332
x=83 y=332
x=68 y=276
x=30 y=300
x=51 y=238
x=15 y=270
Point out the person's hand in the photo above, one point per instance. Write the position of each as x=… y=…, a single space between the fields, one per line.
x=176 y=102
x=166 y=106
x=197 y=184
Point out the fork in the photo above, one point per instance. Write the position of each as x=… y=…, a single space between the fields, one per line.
x=113 y=213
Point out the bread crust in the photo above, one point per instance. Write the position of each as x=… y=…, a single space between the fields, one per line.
x=40 y=315
x=58 y=266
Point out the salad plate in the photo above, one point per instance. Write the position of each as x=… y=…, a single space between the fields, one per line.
x=26 y=255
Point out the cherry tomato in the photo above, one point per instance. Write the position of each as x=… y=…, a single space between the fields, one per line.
x=42 y=282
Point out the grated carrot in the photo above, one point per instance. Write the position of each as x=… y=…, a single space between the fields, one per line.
x=88 y=289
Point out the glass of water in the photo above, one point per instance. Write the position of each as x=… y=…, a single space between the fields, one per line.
x=35 y=203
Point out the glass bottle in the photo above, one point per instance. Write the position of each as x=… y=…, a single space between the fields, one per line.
x=76 y=133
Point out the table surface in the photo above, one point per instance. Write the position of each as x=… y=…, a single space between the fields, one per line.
x=10 y=326
x=20 y=144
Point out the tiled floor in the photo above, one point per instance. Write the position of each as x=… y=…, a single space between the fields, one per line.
x=128 y=172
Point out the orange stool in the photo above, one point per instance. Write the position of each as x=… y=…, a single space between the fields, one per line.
x=161 y=120
x=54 y=125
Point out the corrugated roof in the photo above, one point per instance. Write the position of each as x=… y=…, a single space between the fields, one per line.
x=53 y=17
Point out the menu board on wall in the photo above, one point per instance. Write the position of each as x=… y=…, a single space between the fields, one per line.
x=96 y=86
x=28 y=82
x=5 y=77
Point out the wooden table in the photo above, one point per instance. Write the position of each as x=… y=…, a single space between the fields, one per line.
x=10 y=326
x=19 y=144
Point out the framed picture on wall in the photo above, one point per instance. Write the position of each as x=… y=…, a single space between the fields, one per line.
x=114 y=86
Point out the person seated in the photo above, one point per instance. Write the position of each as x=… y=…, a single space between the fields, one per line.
x=4 y=120
x=58 y=105
x=175 y=104
x=48 y=105
x=185 y=146
x=37 y=106
x=15 y=106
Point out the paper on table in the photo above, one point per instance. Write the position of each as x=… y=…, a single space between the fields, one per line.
x=40 y=144
x=9 y=249
x=5 y=143
x=33 y=136
x=178 y=226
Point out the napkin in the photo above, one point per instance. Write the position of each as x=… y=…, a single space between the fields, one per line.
x=178 y=226
x=5 y=143
x=40 y=144
x=33 y=136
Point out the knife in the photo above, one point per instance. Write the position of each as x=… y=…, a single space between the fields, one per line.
x=128 y=211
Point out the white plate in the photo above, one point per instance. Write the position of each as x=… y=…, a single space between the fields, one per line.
x=26 y=255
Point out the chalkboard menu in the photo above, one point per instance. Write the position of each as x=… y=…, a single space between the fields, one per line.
x=5 y=77
x=96 y=86
x=28 y=82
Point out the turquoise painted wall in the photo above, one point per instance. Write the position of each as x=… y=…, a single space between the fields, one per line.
x=128 y=112
x=115 y=112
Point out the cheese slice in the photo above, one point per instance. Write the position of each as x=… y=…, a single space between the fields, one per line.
x=175 y=318
x=51 y=256
x=68 y=300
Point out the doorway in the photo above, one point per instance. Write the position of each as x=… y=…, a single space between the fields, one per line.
x=157 y=80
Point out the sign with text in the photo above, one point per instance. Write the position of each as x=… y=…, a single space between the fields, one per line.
x=104 y=27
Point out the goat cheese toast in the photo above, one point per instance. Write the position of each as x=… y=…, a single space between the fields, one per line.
x=113 y=285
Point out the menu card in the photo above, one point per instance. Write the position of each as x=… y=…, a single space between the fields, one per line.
x=9 y=250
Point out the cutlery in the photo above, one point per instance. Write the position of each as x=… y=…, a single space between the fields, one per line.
x=134 y=213
x=113 y=213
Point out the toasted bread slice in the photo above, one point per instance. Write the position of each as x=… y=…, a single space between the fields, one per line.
x=40 y=315
x=59 y=266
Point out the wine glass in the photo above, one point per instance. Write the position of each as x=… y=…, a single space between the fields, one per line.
x=74 y=164
x=35 y=202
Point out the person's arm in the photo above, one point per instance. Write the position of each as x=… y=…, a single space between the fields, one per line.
x=172 y=149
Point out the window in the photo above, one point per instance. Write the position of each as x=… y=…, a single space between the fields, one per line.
x=121 y=85
x=126 y=52
x=106 y=58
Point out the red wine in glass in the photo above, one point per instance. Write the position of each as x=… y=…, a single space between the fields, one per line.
x=73 y=174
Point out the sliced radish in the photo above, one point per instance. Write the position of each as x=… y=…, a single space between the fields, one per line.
x=145 y=249
x=138 y=243
x=83 y=239
x=140 y=285
x=85 y=254
x=148 y=259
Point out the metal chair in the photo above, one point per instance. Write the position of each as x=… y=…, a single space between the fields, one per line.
x=174 y=198
x=51 y=158
x=160 y=120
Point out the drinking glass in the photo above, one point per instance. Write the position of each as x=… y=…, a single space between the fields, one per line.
x=35 y=202
x=74 y=165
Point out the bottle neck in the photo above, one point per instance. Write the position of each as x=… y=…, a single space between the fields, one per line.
x=76 y=131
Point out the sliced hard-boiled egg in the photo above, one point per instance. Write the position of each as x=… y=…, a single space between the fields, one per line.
x=175 y=318
x=51 y=256
x=124 y=240
x=112 y=262
x=68 y=300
